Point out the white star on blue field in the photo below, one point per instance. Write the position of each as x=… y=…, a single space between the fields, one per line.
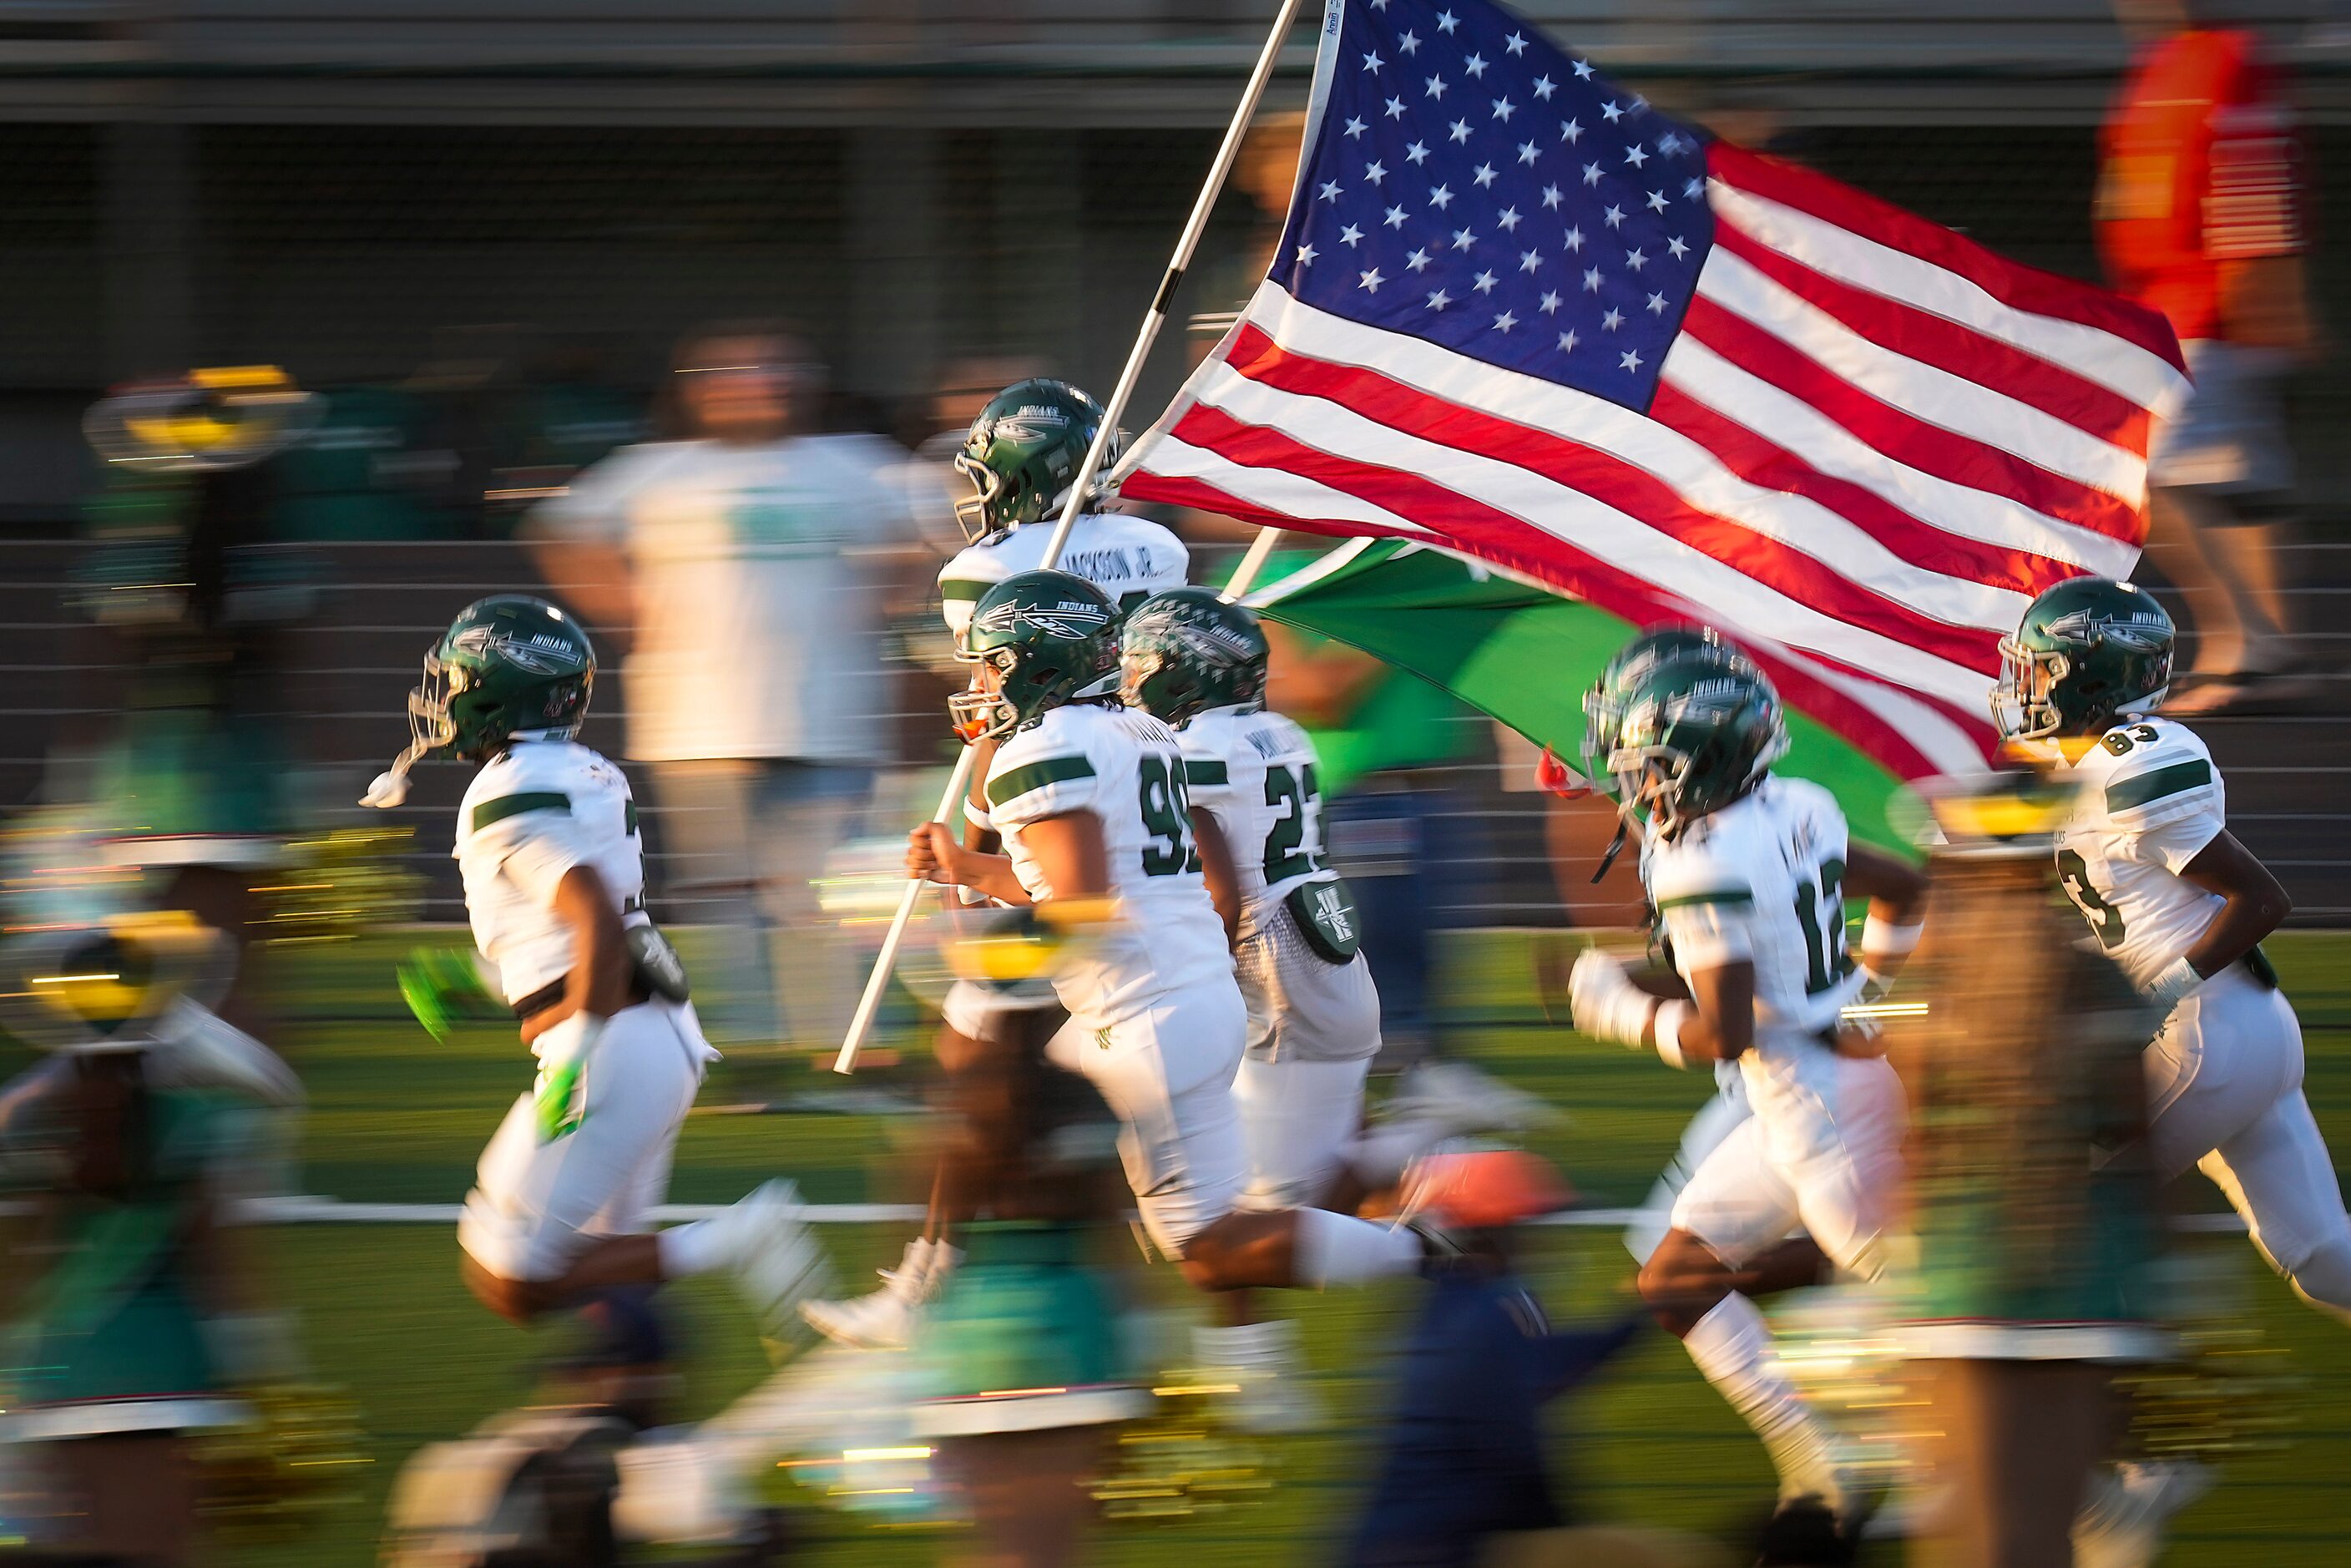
x=1471 y=184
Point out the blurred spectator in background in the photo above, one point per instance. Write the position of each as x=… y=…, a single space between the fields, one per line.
x=2031 y=1198
x=187 y=775
x=1395 y=825
x=132 y=1328
x=744 y=569
x=1023 y=1359
x=2198 y=214
x=1463 y=1458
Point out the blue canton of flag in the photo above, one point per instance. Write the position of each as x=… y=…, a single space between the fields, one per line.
x=1470 y=184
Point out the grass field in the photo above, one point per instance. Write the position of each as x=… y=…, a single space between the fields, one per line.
x=396 y=1118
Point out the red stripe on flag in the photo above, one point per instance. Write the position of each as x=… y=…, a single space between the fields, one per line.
x=1945 y=344
x=1591 y=471
x=2022 y=288
x=1496 y=535
x=1763 y=462
x=1904 y=437
x=1183 y=490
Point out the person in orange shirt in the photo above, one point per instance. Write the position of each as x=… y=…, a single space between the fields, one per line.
x=2198 y=214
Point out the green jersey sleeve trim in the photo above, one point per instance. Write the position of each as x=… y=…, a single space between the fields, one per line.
x=1204 y=773
x=1725 y=895
x=1032 y=775
x=2126 y=794
x=506 y=806
x=962 y=589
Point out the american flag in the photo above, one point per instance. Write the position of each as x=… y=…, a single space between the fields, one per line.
x=1519 y=312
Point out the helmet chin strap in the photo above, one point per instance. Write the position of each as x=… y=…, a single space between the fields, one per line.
x=1616 y=848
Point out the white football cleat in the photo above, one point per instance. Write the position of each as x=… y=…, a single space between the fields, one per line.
x=2123 y=1524
x=1270 y=1395
x=884 y=1319
x=774 y=1257
x=1462 y=1099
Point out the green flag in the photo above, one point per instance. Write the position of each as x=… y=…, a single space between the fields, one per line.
x=1518 y=651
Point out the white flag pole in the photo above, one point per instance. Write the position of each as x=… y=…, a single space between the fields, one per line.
x=1081 y=489
x=1245 y=575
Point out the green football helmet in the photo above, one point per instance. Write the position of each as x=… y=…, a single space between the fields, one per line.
x=1023 y=453
x=509 y=664
x=1050 y=638
x=1693 y=738
x=1634 y=662
x=1186 y=650
x=2088 y=652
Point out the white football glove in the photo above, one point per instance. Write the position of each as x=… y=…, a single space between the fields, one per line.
x=389 y=790
x=1604 y=1002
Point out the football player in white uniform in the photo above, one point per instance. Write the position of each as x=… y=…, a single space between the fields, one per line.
x=1020 y=457
x=554 y=875
x=1198 y=666
x=2182 y=906
x=1091 y=801
x=1749 y=874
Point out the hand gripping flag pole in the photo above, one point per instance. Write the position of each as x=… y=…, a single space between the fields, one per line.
x=959 y=779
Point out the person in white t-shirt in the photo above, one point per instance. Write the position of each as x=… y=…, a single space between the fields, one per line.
x=746 y=568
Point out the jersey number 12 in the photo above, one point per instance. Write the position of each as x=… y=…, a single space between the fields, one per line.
x=1820 y=914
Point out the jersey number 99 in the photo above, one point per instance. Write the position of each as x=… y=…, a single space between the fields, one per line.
x=1166 y=819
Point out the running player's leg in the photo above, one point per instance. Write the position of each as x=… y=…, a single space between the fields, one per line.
x=2278 y=1175
x=1734 y=1211
x=1713 y=1122
x=2276 y=1171
x=2223 y=1057
x=1297 y=1120
x=1167 y=1075
x=2225 y=1086
x=1845 y=1165
x=566 y=1162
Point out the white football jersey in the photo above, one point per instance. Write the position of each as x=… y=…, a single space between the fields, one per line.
x=530 y=815
x=2149 y=800
x=1130 y=559
x=1127 y=769
x=1726 y=1074
x=1255 y=770
x=1764 y=880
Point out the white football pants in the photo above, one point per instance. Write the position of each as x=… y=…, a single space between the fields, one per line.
x=538 y=1202
x=2224 y=1090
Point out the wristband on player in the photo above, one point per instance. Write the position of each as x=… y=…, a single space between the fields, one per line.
x=1666 y=1024
x=1884 y=939
x=2174 y=983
